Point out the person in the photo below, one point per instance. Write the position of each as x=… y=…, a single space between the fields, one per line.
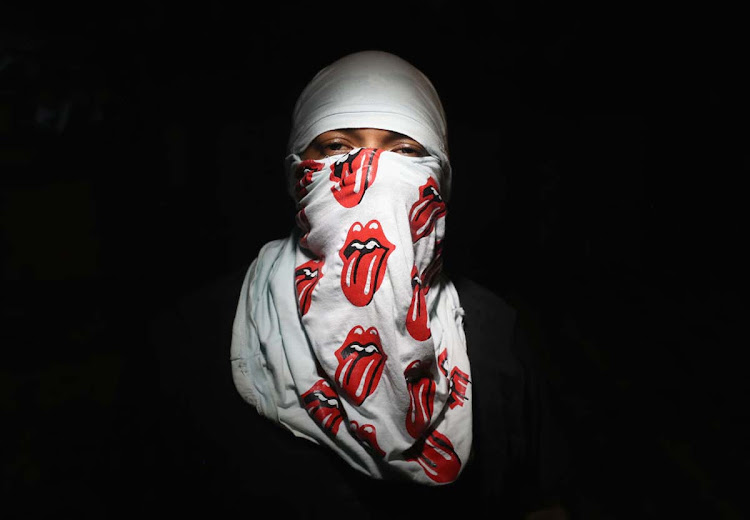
x=361 y=377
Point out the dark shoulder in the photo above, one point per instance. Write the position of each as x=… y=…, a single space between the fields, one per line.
x=217 y=296
x=490 y=326
x=482 y=301
x=203 y=309
x=506 y=335
x=191 y=337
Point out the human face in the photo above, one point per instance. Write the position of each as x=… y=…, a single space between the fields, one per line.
x=336 y=142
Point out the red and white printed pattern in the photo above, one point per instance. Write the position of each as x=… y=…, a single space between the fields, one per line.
x=383 y=351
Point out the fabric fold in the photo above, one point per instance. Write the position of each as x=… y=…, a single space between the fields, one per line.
x=347 y=332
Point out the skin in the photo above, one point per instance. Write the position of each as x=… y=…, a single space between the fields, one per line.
x=335 y=142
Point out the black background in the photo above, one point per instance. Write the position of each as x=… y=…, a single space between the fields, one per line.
x=599 y=154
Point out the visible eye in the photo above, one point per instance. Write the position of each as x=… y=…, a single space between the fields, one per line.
x=335 y=147
x=411 y=150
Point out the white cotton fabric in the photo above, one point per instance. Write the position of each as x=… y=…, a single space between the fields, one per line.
x=400 y=407
x=347 y=333
x=373 y=89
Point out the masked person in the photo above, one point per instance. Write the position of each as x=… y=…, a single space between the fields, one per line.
x=377 y=382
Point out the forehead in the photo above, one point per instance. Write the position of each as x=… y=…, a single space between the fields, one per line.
x=364 y=133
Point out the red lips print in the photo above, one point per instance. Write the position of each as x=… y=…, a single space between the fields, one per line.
x=421 y=389
x=426 y=210
x=361 y=361
x=322 y=403
x=416 y=317
x=303 y=174
x=353 y=175
x=365 y=255
x=438 y=458
x=367 y=437
x=306 y=277
x=459 y=380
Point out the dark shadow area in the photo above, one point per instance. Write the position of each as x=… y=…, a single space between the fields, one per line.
x=597 y=154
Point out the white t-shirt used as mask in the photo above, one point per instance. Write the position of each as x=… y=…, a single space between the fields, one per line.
x=348 y=334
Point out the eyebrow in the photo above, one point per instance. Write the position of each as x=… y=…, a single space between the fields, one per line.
x=358 y=131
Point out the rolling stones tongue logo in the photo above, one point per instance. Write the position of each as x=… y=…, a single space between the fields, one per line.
x=365 y=255
x=367 y=437
x=322 y=403
x=306 y=277
x=458 y=381
x=304 y=174
x=426 y=210
x=437 y=457
x=353 y=175
x=361 y=361
x=421 y=389
x=416 y=317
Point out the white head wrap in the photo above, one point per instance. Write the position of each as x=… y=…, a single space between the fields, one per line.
x=373 y=89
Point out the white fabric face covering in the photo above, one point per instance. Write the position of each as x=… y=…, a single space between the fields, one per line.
x=347 y=333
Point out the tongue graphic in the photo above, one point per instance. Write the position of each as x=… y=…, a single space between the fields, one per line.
x=322 y=403
x=421 y=395
x=365 y=257
x=361 y=361
x=426 y=210
x=306 y=277
x=353 y=175
x=367 y=436
x=438 y=458
x=304 y=175
x=416 y=317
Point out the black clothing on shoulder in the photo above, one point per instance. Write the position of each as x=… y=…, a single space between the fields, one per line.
x=214 y=454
